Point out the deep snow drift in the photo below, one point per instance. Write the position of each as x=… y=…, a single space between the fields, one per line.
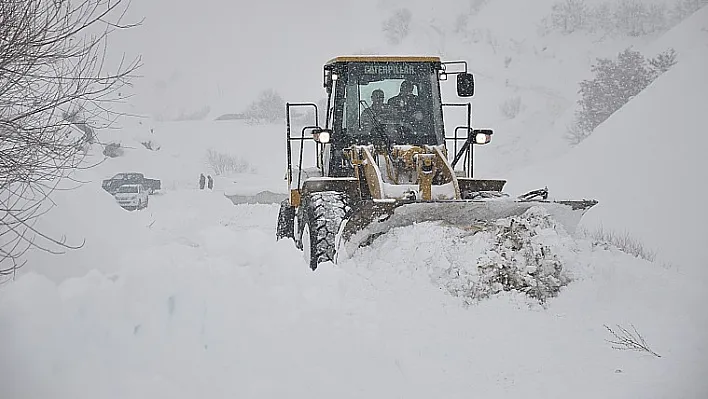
x=215 y=308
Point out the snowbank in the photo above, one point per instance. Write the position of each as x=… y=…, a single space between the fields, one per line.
x=83 y=214
x=226 y=312
x=111 y=234
x=645 y=163
x=84 y=211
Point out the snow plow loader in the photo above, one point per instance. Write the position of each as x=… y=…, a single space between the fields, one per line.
x=380 y=157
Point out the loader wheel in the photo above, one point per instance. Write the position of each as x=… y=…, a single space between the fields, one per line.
x=322 y=216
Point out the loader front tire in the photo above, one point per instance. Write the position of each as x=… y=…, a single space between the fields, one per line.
x=323 y=213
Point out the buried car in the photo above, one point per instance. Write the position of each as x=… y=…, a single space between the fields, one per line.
x=131 y=196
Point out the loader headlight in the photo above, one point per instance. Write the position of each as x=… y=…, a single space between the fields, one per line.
x=324 y=137
x=481 y=138
x=321 y=135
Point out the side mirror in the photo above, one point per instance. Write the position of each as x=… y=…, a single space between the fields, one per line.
x=465 y=84
x=322 y=136
x=482 y=136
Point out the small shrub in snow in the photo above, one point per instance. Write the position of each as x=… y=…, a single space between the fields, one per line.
x=575 y=134
x=222 y=163
x=519 y=259
x=397 y=26
x=663 y=62
x=269 y=107
x=629 y=340
x=615 y=83
x=511 y=107
x=622 y=241
x=113 y=150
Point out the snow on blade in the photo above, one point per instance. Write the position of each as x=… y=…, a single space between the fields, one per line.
x=378 y=218
x=529 y=254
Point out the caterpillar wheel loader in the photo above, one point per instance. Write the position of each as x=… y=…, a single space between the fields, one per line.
x=384 y=159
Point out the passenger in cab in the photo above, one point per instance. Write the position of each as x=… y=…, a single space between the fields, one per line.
x=376 y=111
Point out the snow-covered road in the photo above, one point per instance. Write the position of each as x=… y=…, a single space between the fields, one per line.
x=214 y=307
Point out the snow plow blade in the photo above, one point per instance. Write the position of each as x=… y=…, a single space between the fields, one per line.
x=377 y=217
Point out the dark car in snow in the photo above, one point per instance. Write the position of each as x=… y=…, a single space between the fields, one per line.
x=111 y=185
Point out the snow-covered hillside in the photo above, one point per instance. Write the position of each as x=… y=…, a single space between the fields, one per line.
x=515 y=59
x=193 y=297
x=645 y=164
x=235 y=54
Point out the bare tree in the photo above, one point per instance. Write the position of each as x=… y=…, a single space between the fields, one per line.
x=56 y=89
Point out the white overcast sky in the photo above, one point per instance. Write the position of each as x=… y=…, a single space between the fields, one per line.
x=222 y=52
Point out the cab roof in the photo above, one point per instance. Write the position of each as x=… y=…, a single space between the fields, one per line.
x=387 y=58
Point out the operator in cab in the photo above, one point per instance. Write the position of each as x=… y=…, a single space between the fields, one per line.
x=376 y=112
x=405 y=104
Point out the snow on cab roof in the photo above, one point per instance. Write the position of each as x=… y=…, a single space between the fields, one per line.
x=385 y=58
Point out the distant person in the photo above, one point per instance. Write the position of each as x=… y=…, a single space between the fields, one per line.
x=210 y=182
x=202 y=179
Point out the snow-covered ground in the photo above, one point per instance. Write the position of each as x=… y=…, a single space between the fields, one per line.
x=215 y=308
x=193 y=297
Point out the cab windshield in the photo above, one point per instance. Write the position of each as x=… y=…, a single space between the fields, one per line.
x=399 y=100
